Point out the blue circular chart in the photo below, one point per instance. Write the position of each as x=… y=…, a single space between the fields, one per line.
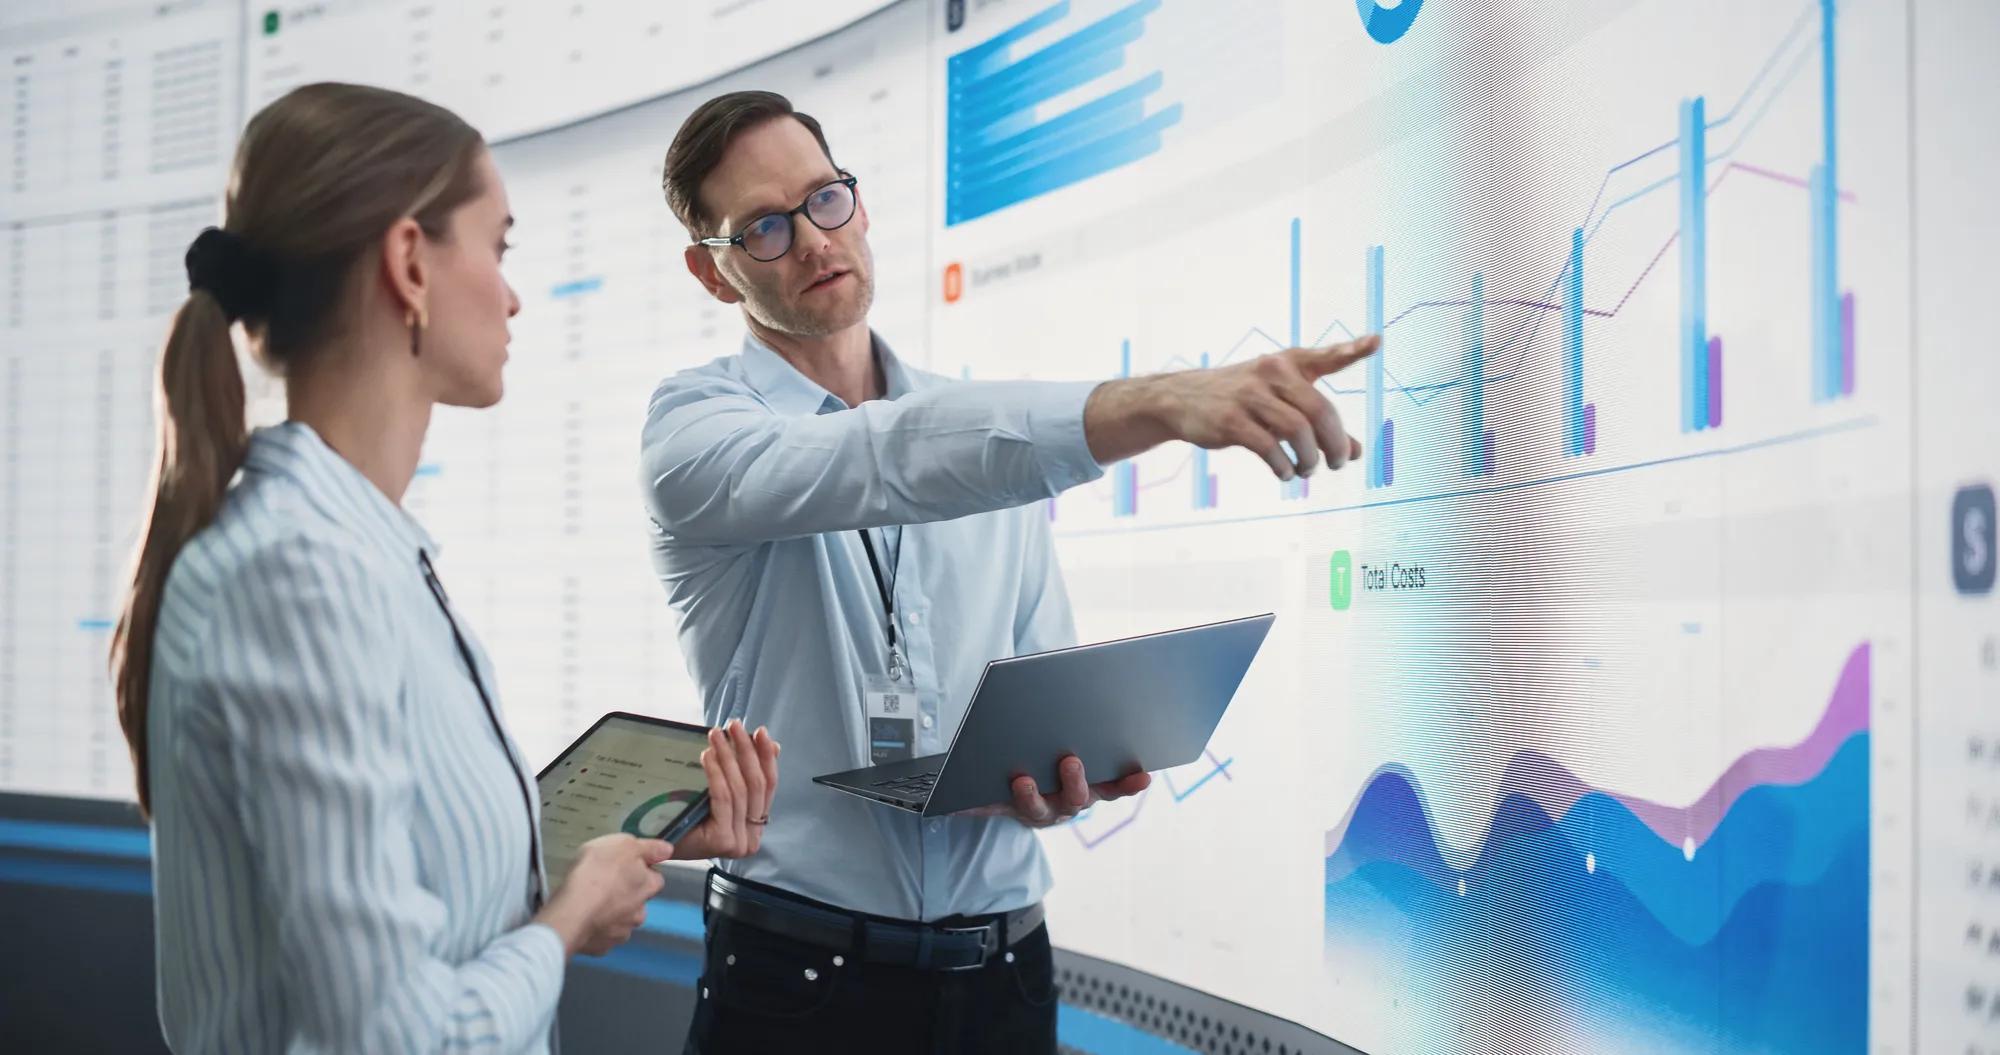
x=1388 y=24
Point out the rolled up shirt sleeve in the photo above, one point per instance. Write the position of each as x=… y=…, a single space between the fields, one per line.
x=719 y=466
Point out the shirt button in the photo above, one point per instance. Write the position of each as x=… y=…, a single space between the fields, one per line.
x=936 y=826
x=916 y=618
x=929 y=721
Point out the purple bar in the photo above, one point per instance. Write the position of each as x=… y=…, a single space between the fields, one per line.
x=1486 y=454
x=1052 y=510
x=1388 y=451
x=1714 y=382
x=1590 y=428
x=1847 y=344
x=1211 y=490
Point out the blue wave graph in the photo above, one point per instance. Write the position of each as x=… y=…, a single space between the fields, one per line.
x=1588 y=925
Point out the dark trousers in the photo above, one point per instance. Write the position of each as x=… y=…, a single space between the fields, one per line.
x=764 y=993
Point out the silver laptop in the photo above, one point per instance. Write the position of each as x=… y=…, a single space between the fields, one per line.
x=1134 y=705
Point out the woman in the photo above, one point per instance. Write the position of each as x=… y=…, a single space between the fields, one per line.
x=346 y=853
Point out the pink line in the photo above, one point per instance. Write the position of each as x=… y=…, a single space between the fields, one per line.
x=1846 y=195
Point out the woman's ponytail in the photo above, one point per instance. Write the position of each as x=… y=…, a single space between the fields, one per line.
x=200 y=408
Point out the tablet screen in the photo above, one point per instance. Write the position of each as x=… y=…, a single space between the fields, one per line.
x=628 y=774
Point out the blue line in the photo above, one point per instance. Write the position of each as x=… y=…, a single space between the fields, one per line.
x=95 y=624
x=1694 y=267
x=1852 y=425
x=429 y=469
x=133 y=843
x=1220 y=767
x=1798 y=26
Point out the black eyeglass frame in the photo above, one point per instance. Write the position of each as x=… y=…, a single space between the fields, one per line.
x=847 y=179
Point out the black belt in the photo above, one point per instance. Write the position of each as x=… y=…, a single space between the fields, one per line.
x=943 y=946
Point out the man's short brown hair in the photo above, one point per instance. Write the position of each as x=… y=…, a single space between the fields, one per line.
x=698 y=147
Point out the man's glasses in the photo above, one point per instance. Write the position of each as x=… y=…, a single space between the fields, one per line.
x=769 y=236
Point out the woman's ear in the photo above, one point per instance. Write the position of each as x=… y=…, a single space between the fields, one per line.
x=406 y=268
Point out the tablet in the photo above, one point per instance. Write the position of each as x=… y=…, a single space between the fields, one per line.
x=629 y=773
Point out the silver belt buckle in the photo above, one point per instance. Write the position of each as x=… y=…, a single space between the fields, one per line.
x=989 y=936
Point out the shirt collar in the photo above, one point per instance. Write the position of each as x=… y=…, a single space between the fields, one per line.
x=792 y=393
x=339 y=489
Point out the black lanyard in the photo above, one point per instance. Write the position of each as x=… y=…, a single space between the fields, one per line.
x=886 y=586
x=472 y=668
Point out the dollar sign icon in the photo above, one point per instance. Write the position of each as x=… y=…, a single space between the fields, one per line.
x=1972 y=562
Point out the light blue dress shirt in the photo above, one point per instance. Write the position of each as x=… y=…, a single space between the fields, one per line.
x=341 y=852
x=756 y=480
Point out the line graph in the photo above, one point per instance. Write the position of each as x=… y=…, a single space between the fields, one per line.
x=1093 y=829
x=1699 y=172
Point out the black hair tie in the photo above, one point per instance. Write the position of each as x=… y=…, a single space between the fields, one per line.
x=222 y=265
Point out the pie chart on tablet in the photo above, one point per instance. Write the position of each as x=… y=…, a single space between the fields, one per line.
x=653 y=815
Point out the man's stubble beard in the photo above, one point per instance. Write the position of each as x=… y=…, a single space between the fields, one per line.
x=777 y=315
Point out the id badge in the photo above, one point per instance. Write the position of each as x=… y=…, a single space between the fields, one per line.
x=892 y=719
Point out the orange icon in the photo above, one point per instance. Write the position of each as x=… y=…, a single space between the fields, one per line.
x=954 y=283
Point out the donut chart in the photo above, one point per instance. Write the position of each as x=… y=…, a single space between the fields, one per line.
x=652 y=816
x=1387 y=24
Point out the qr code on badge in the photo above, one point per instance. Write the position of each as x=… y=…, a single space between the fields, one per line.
x=892 y=704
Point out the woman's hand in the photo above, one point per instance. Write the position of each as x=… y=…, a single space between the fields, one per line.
x=742 y=770
x=603 y=899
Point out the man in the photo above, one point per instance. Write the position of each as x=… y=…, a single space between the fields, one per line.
x=829 y=523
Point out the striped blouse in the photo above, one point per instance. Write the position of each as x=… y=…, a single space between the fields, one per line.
x=342 y=855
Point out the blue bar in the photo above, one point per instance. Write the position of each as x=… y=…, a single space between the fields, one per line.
x=1824 y=194
x=1295 y=282
x=1573 y=346
x=135 y=843
x=578 y=287
x=984 y=59
x=95 y=625
x=1473 y=438
x=1827 y=99
x=1204 y=493
x=1022 y=84
x=1377 y=466
x=1121 y=109
x=643 y=960
x=676 y=919
x=1087 y=1031
x=998 y=154
x=1694 y=266
x=1100 y=157
x=976 y=113
x=76 y=875
x=429 y=469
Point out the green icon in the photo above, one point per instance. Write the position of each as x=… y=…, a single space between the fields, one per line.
x=1342 y=580
x=270 y=23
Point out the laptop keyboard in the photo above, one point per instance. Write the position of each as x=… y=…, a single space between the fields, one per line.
x=919 y=784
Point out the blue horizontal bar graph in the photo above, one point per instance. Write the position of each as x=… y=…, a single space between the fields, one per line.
x=1000 y=152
